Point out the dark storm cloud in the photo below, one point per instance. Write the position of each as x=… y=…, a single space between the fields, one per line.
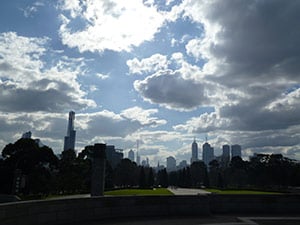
x=257 y=39
x=172 y=90
x=13 y=99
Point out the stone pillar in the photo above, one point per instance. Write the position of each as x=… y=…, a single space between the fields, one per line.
x=98 y=170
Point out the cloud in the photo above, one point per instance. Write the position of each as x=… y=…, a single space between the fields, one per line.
x=28 y=83
x=206 y=122
x=30 y=10
x=102 y=76
x=143 y=116
x=152 y=64
x=241 y=37
x=111 y=25
x=169 y=89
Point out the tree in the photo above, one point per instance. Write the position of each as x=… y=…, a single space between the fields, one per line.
x=199 y=175
x=162 y=178
x=35 y=163
x=142 y=178
x=126 y=173
x=215 y=179
x=150 y=180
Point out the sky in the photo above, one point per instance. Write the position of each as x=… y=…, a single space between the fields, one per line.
x=161 y=72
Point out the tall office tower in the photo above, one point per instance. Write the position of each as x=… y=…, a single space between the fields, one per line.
x=113 y=155
x=171 y=164
x=194 y=151
x=236 y=150
x=131 y=155
x=138 y=159
x=207 y=153
x=225 y=156
x=71 y=133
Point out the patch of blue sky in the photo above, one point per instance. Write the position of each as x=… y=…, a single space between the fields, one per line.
x=163 y=5
x=292 y=88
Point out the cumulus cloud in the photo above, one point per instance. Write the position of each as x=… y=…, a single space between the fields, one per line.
x=111 y=25
x=169 y=89
x=242 y=36
x=28 y=83
x=143 y=116
x=206 y=122
x=153 y=63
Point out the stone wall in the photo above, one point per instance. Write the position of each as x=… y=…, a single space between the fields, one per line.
x=65 y=211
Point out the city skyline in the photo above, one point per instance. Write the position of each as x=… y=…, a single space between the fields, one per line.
x=161 y=72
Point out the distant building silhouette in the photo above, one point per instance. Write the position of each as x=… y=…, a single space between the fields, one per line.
x=145 y=163
x=138 y=159
x=225 y=159
x=207 y=153
x=131 y=155
x=113 y=155
x=69 y=142
x=171 y=164
x=194 y=152
x=182 y=164
x=27 y=135
x=236 y=150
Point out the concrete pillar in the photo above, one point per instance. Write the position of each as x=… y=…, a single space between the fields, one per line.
x=98 y=170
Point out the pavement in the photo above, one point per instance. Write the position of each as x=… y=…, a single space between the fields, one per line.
x=188 y=191
x=210 y=220
x=201 y=220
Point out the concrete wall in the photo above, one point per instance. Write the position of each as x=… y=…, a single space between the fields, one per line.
x=65 y=211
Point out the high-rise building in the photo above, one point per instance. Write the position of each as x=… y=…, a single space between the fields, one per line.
x=69 y=142
x=207 y=153
x=225 y=155
x=171 y=164
x=113 y=155
x=236 y=150
x=182 y=164
x=194 y=152
x=131 y=155
x=138 y=159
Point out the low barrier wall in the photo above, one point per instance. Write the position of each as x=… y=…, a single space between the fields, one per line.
x=64 y=211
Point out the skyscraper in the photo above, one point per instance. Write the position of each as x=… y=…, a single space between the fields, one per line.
x=194 y=151
x=236 y=150
x=131 y=155
x=225 y=155
x=171 y=164
x=207 y=153
x=69 y=142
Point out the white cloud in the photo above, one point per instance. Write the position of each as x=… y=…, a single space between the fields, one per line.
x=109 y=25
x=28 y=83
x=143 y=116
x=152 y=64
x=206 y=122
x=102 y=76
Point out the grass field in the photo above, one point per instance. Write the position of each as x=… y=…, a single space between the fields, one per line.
x=237 y=192
x=155 y=191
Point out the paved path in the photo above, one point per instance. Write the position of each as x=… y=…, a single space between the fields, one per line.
x=188 y=191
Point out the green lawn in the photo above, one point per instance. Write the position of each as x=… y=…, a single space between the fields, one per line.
x=239 y=192
x=155 y=191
